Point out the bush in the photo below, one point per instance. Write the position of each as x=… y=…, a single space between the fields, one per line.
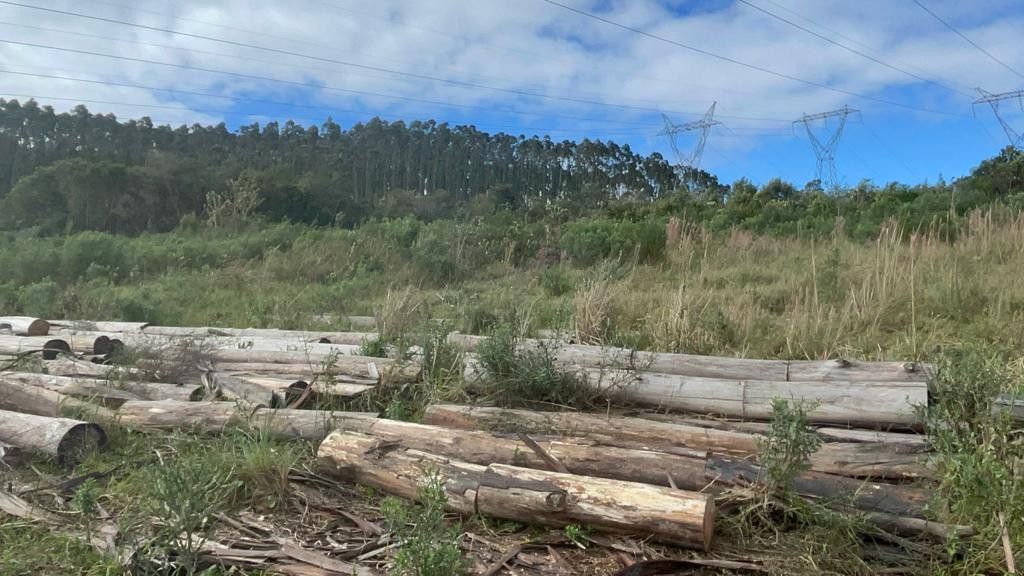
x=589 y=241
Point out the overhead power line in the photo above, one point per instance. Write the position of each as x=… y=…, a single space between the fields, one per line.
x=826 y=151
x=450 y=81
x=756 y=67
x=968 y=40
x=854 y=50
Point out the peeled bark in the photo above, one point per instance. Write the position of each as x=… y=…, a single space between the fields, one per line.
x=869 y=460
x=213 y=417
x=20 y=397
x=24 y=325
x=714 y=366
x=108 y=388
x=66 y=440
x=537 y=497
x=577 y=455
x=894 y=499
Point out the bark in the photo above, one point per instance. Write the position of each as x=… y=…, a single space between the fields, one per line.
x=716 y=367
x=875 y=460
x=108 y=388
x=65 y=439
x=912 y=527
x=24 y=325
x=537 y=497
x=213 y=417
x=20 y=397
x=577 y=455
x=899 y=500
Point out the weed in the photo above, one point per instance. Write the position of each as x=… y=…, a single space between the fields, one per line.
x=580 y=535
x=428 y=545
x=783 y=452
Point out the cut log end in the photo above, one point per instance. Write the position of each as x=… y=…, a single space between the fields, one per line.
x=80 y=441
x=54 y=348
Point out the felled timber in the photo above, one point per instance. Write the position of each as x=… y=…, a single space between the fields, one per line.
x=96 y=390
x=577 y=455
x=104 y=343
x=98 y=326
x=912 y=527
x=714 y=366
x=899 y=500
x=18 y=345
x=21 y=397
x=868 y=460
x=214 y=417
x=65 y=439
x=350 y=338
x=108 y=388
x=24 y=325
x=549 y=498
x=385 y=370
x=304 y=371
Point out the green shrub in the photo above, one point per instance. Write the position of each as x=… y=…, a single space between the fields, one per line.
x=427 y=545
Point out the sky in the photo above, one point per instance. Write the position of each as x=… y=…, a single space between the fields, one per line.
x=534 y=67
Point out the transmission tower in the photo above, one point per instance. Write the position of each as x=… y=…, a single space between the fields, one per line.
x=704 y=125
x=993 y=100
x=826 y=151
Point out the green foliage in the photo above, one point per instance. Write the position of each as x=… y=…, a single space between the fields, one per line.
x=428 y=545
x=514 y=376
x=783 y=452
x=556 y=281
x=41 y=299
x=592 y=240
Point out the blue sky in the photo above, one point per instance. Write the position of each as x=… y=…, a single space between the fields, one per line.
x=529 y=67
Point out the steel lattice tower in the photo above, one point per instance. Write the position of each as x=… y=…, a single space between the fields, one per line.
x=703 y=125
x=826 y=151
x=993 y=100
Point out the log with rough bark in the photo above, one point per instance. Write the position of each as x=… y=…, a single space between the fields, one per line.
x=65 y=439
x=24 y=325
x=577 y=455
x=912 y=527
x=874 y=460
x=873 y=403
x=899 y=500
x=213 y=417
x=97 y=391
x=714 y=366
x=108 y=388
x=18 y=345
x=533 y=496
x=20 y=397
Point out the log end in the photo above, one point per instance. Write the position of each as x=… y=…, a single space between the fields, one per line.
x=54 y=348
x=81 y=440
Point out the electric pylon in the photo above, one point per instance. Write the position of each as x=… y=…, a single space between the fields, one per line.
x=826 y=151
x=993 y=100
x=703 y=125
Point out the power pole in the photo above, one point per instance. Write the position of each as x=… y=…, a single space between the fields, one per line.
x=691 y=160
x=993 y=100
x=826 y=151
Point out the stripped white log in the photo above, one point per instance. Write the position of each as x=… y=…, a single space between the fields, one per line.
x=65 y=439
x=98 y=326
x=136 y=390
x=350 y=338
x=99 y=343
x=98 y=391
x=24 y=325
x=714 y=366
x=18 y=345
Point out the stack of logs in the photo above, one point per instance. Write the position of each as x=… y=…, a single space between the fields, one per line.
x=647 y=473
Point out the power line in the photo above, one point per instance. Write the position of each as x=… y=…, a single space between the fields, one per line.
x=852 y=50
x=749 y=65
x=969 y=41
x=449 y=81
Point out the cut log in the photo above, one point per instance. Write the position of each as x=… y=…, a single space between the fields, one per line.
x=714 y=366
x=294 y=371
x=214 y=417
x=880 y=461
x=899 y=500
x=386 y=370
x=912 y=527
x=350 y=338
x=73 y=367
x=18 y=345
x=537 y=497
x=112 y=389
x=577 y=455
x=91 y=326
x=20 y=397
x=95 y=391
x=65 y=439
x=24 y=325
x=103 y=343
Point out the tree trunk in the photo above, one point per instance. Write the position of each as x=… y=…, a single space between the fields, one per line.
x=713 y=366
x=350 y=338
x=106 y=388
x=17 y=345
x=24 y=325
x=829 y=434
x=90 y=326
x=100 y=343
x=20 y=397
x=384 y=370
x=834 y=490
x=304 y=371
x=67 y=440
x=912 y=527
x=213 y=417
x=877 y=460
x=548 y=498
x=577 y=455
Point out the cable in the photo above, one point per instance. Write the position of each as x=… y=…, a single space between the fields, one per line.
x=964 y=36
x=892 y=152
x=450 y=81
x=854 y=50
x=748 y=65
